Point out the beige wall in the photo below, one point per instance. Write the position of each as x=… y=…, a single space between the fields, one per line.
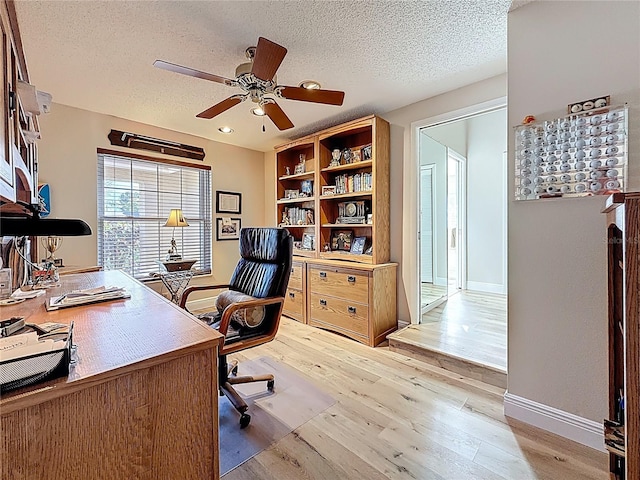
x=68 y=162
x=557 y=251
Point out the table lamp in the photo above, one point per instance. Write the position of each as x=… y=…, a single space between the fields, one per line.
x=176 y=219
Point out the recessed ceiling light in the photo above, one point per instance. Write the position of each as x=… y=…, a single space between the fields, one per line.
x=310 y=85
x=226 y=129
x=257 y=111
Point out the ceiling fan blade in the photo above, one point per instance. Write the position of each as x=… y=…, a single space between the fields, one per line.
x=267 y=59
x=223 y=106
x=330 y=97
x=172 y=67
x=277 y=116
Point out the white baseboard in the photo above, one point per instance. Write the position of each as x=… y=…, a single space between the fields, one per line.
x=581 y=430
x=486 y=287
x=202 y=304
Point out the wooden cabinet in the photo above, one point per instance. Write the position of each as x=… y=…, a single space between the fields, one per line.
x=294 y=301
x=623 y=232
x=18 y=121
x=332 y=192
x=356 y=300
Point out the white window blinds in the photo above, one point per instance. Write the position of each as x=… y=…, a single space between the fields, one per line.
x=134 y=200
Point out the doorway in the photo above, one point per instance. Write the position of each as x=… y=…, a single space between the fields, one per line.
x=462 y=239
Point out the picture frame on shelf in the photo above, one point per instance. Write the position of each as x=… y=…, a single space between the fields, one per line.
x=291 y=194
x=228 y=228
x=299 y=168
x=341 y=240
x=357 y=156
x=328 y=190
x=306 y=188
x=308 y=241
x=357 y=245
x=228 y=202
x=366 y=152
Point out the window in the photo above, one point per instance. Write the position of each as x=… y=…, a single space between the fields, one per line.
x=135 y=197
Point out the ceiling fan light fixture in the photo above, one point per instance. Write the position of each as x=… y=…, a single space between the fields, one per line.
x=225 y=129
x=310 y=85
x=258 y=111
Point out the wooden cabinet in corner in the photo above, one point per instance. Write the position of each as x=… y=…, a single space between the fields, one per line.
x=18 y=123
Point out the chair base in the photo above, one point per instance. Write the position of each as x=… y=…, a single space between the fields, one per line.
x=227 y=377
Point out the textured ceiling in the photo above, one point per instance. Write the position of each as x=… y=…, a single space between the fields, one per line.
x=383 y=54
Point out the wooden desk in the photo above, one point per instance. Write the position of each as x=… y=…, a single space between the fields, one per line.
x=141 y=403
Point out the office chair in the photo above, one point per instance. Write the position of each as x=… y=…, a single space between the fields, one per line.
x=248 y=311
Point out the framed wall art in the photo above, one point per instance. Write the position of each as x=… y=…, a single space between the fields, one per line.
x=228 y=202
x=228 y=228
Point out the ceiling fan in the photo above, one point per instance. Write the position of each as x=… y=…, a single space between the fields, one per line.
x=257 y=78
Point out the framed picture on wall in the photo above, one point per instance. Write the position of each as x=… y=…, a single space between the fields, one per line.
x=228 y=202
x=228 y=228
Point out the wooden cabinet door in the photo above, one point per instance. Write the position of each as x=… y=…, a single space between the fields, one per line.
x=6 y=165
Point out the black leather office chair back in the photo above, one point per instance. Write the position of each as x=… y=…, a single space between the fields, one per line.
x=265 y=263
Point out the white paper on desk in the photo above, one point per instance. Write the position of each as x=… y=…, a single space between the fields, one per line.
x=16 y=347
x=84 y=297
x=19 y=293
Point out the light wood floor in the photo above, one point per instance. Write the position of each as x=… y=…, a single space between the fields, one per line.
x=398 y=418
x=470 y=325
x=430 y=293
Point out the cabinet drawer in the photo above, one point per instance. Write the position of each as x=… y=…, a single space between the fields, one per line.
x=341 y=283
x=344 y=314
x=295 y=279
x=293 y=304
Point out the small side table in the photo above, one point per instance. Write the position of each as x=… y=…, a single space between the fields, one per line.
x=176 y=282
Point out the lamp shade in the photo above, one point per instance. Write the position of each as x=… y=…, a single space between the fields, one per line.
x=176 y=219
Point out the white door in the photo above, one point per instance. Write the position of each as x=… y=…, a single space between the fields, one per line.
x=426 y=224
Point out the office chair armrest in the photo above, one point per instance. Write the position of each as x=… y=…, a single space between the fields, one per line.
x=234 y=307
x=196 y=288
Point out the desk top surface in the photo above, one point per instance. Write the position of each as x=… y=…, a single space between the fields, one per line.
x=116 y=336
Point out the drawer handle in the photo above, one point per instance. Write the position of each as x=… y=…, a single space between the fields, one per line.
x=292 y=295
x=323 y=274
x=323 y=303
x=352 y=309
x=351 y=279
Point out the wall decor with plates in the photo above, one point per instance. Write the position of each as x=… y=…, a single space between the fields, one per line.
x=573 y=156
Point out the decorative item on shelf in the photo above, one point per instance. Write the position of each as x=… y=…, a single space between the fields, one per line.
x=357 y=246
x=528 y=119
x=308 y=241
x=300 y=167
x=328 y=190
x=297 y=245
x=369 y=218
x=335 y=157
x=51 y=244
x=285 y=219
x=291 y=194
x=347 y=156
x=228 y=202
x=586 y=105
x=326 y=247
x=228 y=228
x=366 y=152
x=341 y=240
x=306 y=188
x=176 y=219
x=352 y=212
x=309 y=217
x=357 y=155
x=287 y=170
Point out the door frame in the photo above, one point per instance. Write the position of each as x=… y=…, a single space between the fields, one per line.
x=462 y=217
x=413 y=171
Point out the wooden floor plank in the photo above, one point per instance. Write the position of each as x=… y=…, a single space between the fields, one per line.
x=396 y=417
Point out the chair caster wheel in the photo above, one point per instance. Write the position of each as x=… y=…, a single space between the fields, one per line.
x=270 y=384
x=245 y=418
